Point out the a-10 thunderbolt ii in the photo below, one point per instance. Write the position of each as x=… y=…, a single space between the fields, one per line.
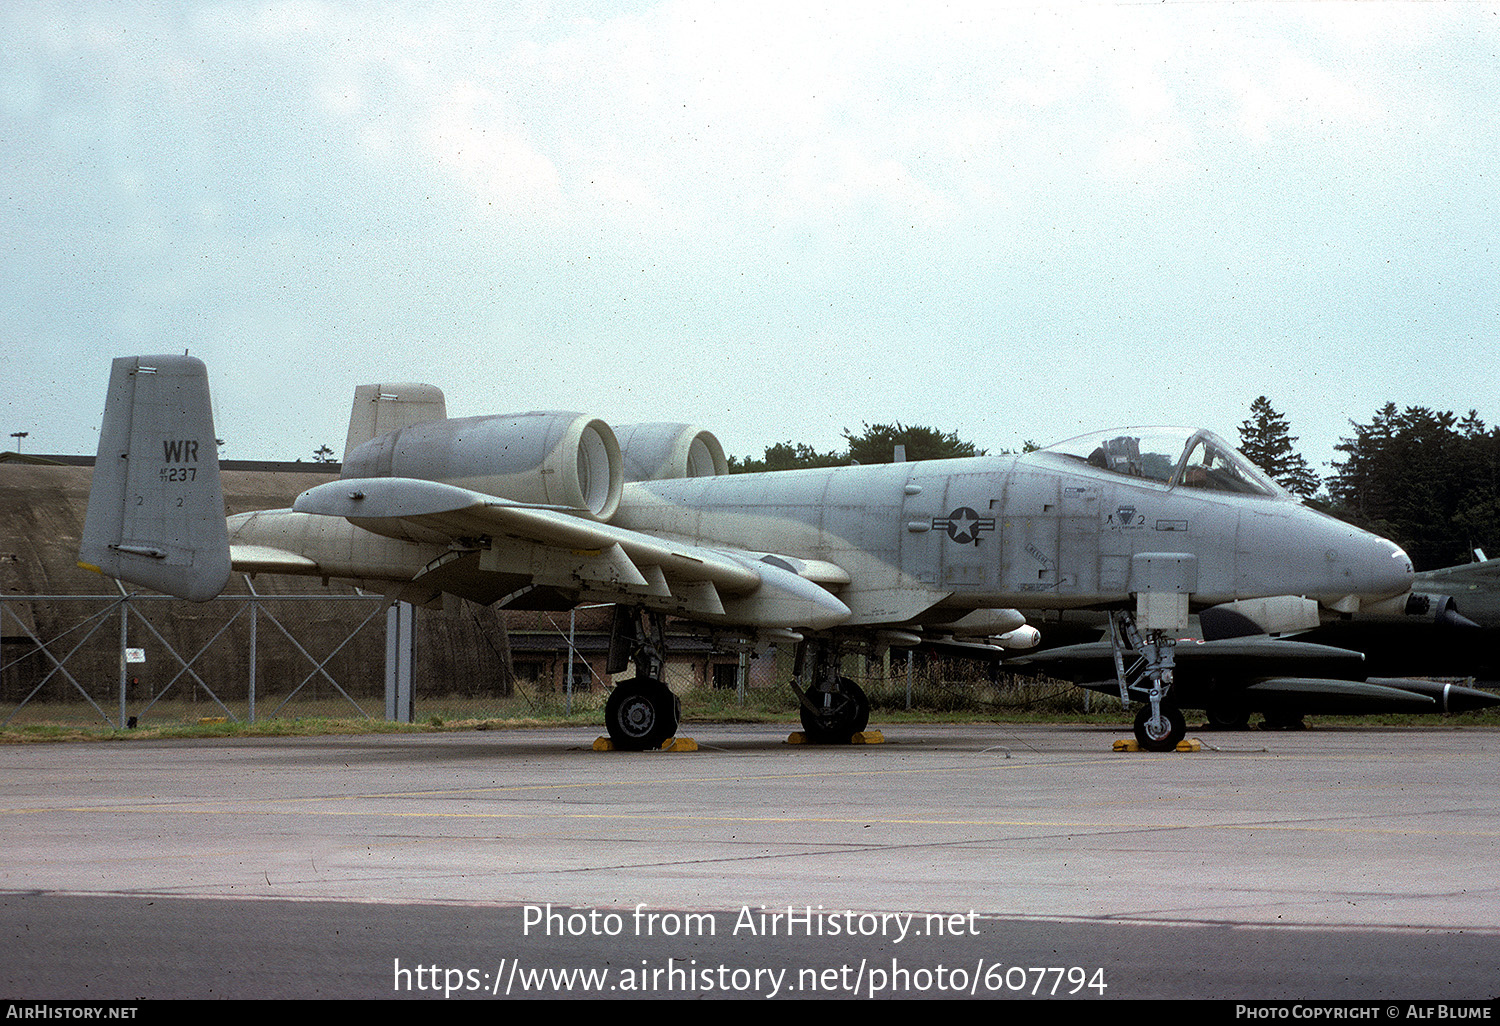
x=546 y=510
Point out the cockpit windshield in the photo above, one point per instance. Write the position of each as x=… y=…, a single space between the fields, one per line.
x=1186 y=457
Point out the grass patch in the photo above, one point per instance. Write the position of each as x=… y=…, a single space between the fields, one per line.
x=966 y=700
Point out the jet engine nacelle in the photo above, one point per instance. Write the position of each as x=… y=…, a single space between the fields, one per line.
x=550 y=459
x=661 y=452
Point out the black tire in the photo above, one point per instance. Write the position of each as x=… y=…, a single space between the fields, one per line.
x=844 y=714
x=1228 y=715
x=641 y=713
x=1282 y=719
x=1153 y=742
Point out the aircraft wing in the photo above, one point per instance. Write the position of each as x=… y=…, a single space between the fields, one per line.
x=1487 y=571
x=1335 y=697
x=551 y=544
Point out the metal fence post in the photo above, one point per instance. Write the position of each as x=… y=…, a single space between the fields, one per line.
x=908 y=679
x=124 y=644
x=399 y=631
x=254 y=628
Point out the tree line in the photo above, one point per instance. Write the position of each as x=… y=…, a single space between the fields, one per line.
x=875 y=444
x=1427 y=480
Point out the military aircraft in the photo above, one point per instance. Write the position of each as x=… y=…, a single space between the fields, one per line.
x=1284 y=679
x=546 y=510
x=1469 y=590
x=1451 y=627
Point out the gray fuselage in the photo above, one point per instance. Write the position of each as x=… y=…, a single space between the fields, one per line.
x=921 y=541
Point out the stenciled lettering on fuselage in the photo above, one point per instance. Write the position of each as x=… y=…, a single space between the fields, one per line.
x=1129 y=518
x=179 y=450
x=964 y=525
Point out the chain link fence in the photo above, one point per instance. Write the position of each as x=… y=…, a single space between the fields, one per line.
x=133 y=660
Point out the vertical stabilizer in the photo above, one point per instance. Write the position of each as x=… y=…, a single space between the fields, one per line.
x=381 y=409
x=156 y=509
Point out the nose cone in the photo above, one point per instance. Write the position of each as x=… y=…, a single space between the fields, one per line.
x=1364 y=571
x=1295 y=550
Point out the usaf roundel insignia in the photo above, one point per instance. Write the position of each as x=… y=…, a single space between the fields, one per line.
x=964 y=525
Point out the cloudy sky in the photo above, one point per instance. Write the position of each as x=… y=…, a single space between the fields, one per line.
x=1010 y=220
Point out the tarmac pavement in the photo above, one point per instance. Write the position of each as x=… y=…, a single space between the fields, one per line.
x=1347 y=863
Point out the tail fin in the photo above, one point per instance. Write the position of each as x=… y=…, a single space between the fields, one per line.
x=379 y=409
x=156 y=508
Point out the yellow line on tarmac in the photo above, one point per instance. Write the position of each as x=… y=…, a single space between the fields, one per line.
x=1103 y=826
x=587 y=785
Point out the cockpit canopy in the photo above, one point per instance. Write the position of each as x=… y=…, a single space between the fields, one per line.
x=1173 y=456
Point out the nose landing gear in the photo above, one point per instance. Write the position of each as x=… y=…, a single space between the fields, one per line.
x=1159 y=725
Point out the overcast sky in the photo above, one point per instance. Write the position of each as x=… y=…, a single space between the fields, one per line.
x=1013 y=221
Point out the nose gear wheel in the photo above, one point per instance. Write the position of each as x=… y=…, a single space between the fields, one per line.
x=1161 y=736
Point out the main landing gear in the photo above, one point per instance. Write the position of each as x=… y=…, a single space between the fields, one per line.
x=1159 y=725
x=641 y=713
x=833 y=708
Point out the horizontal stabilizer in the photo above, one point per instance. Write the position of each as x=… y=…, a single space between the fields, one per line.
x=1486 y=571
x=265 y=559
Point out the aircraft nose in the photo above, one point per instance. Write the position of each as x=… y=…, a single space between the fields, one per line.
x=1374 y=571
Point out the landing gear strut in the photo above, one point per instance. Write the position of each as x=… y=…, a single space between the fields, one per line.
x=833 y=708
x=642 y=712
x=1160 y=725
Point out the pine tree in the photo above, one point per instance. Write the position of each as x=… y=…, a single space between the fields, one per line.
x=1267 y=441
x=787 y=456
x=1424 y=478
